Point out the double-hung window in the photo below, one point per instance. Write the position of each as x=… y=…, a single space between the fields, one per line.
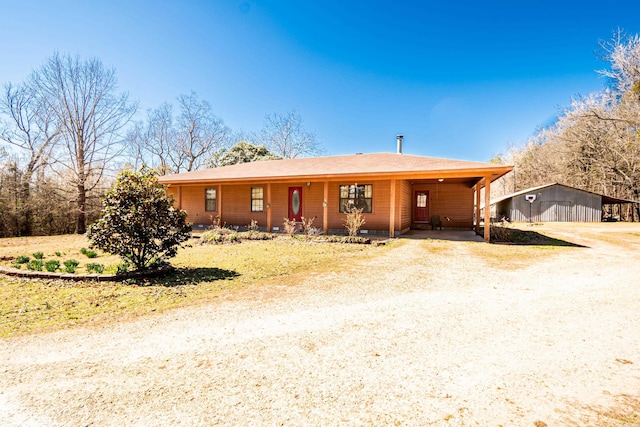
x=210 y=201
x=359 y=196
x=257 y=199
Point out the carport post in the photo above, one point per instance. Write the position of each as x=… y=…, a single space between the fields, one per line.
x=477 y=209
x=487 y=208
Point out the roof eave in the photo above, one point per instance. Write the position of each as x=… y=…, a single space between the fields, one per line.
x=494 y=173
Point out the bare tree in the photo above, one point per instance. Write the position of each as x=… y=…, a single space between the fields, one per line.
x=595 y=143
x=199 y=133
x=82 y=95
x=623 y=54
x=150 y=142
x=32 y=128
x=284 y=136
x=181 y=145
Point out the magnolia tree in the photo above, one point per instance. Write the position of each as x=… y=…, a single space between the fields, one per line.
x=138 y=221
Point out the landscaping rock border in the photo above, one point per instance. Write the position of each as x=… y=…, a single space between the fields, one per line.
x=30 y=274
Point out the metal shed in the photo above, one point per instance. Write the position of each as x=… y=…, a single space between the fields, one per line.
x=552 y=203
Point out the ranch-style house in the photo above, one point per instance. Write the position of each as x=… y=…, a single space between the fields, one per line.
x=395 y=191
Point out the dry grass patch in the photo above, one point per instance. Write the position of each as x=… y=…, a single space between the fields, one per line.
x=513 y=257
x=625 y=235
x=202 y=274
x=439 y=247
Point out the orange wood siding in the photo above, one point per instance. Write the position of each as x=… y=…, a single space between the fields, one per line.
x=312 y=202
x=193 y=201
x=406 y=204
x=454 y=201
x=236 y=205
x=377 y=220
x=173 y=191
x=280 y=203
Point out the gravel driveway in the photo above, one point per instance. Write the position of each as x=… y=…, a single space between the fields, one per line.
x=430 y=333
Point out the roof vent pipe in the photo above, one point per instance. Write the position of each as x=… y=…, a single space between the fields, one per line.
x=400 y=144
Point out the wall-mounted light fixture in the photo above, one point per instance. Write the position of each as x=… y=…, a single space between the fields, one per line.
x=440 y=179
x=324 y=204
x=268 y=205
x=308 y=184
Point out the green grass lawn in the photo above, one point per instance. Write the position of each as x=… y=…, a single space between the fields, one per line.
x=203 y=273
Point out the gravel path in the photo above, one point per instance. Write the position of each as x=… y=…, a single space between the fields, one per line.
x=428 y=334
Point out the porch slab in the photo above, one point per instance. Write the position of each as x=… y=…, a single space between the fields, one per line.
x=456 y=235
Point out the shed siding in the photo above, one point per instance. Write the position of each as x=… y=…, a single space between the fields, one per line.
x=554 y=204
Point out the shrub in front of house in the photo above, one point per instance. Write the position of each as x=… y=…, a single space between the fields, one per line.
x=346 y=239
x=354 y=220
x=289 y=226
x=219 y=235
x=255 y=235
x=138 y=221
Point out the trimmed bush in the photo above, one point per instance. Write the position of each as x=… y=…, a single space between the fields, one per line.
x=220 y=235
x=93 y=267
x=35 y=265
x=70 y=265
x=52 y=265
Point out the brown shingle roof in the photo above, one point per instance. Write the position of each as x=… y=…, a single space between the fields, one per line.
x=332 y=166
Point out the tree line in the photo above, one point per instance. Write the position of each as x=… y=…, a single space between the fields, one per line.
x=66 y=130
x=595 y=142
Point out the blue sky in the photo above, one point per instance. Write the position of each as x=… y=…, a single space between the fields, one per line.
x=460 y=79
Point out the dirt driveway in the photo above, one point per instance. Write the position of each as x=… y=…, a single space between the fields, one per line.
x=431 y=333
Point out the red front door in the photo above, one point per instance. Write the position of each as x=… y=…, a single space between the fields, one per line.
x=421 y=206
x=295 y=203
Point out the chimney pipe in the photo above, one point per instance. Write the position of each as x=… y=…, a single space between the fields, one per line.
x=400 y=144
